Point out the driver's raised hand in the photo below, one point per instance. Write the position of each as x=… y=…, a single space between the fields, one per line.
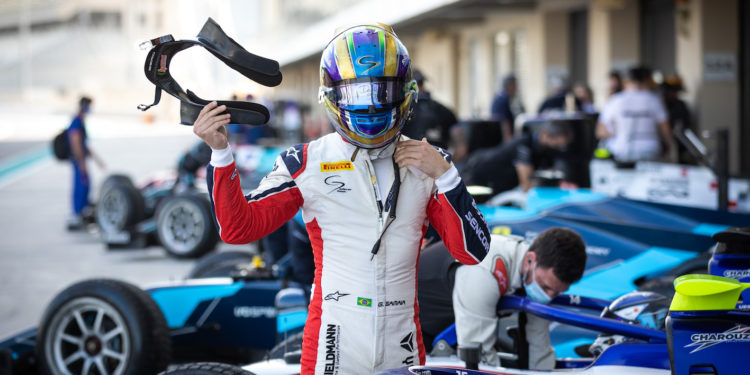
x=210 y=126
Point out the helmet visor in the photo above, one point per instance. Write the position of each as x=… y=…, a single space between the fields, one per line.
x=366 y=94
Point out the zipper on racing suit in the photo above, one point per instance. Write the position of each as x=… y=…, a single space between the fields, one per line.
x=378 y=199
x=379 y=271
x=390 y=205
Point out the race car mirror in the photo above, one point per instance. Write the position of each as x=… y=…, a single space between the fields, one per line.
x=212 y=38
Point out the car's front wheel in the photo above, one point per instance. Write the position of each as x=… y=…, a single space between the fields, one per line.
x=105 y=327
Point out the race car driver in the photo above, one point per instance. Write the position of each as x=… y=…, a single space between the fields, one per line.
x=469 y=295
x=363 y=314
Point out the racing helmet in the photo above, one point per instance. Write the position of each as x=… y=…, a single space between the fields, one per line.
x=366 y=85
x=646 y=309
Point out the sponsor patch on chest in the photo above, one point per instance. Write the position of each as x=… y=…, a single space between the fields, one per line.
x=337 y=166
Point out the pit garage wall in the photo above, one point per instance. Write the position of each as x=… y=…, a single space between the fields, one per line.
x=434 y=53
x=614 y=42
x=485 y=56
x=708 y=58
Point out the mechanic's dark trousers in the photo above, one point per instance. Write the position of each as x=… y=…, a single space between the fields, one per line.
x=80 y=190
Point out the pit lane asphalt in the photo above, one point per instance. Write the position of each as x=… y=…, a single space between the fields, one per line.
x=39 y=257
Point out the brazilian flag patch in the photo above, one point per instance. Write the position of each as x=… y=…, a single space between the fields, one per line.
x=366 y=302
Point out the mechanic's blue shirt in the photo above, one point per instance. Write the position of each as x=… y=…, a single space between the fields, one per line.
x=79 y=125
x=501 y=108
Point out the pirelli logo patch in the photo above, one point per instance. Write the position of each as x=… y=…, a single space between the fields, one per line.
x=337 y=166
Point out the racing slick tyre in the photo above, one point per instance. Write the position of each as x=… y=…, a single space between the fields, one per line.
x=103 y=326
x=120 y=204
x=219 y=264
x=206 y=368
x=185 y=226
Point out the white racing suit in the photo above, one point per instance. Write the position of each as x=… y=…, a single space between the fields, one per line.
x=363 y=314
x=478 y=289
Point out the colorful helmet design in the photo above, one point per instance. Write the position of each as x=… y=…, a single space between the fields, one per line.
x=366 y=85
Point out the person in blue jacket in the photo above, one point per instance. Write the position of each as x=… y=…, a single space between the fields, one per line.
x=80 y=152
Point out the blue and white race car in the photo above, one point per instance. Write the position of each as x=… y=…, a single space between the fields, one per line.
x=705 y=329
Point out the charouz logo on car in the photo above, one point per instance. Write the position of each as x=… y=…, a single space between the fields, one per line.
x=704 y=340
x=332 y=350
x=737 y=274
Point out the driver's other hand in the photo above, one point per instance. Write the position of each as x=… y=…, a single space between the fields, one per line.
x=210 y=126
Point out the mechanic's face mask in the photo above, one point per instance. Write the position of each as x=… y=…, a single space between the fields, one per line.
x=534 y=291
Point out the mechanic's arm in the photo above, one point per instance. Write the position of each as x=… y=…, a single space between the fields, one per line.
x=451 y=210
x=243 y=219
x=541 y=352
x=524 y=172
x=97 y=158
x=475 y=298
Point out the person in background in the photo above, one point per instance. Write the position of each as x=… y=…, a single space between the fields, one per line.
x=80 y=152
x=505 y=107
x=614 y=85
x=634 y=123
x=512 y=164
x=541 y=270
x=561 y=99
x=431 y=119
x=585 y=97
x=678 y=113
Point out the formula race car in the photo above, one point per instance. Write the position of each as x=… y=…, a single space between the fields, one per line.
x=163 y=210
x=172 y=208
x=704 y=331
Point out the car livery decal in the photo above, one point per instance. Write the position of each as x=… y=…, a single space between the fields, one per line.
x=702 y=341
